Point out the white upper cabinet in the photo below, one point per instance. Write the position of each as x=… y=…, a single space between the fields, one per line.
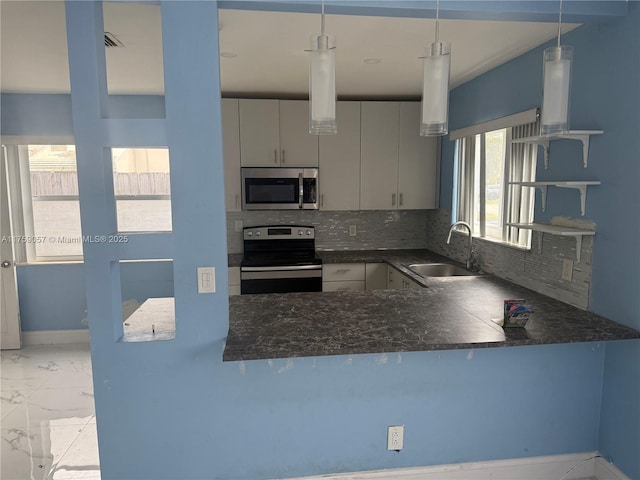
x=259 y=133
x=417 y=162
x=275 y=133
x=340 y=161
x=298 y=148
x=231 y=153
x=379 y=155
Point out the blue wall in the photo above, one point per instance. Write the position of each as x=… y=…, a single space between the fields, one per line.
x=183 y=413
x=604 y=96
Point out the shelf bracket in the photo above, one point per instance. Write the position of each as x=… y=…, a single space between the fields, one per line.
x=583 y=196
x=543 y=195
x=584 y=138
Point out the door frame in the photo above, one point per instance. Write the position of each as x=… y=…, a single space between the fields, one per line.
x=9 y=305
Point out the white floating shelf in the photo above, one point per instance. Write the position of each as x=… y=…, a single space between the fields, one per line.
x=580 y=135
x=577 y=233
x=580 y=186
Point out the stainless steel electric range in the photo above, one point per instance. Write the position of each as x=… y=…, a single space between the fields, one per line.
x=280 y=259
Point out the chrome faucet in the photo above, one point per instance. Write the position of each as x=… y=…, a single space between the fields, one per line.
x=470 y=251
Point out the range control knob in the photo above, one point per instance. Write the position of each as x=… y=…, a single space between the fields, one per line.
x=300 y=232
x=308 y=232
x=249 y=234
x=258 y=233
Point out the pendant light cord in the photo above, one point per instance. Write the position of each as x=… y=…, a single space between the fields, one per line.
x=437 y=20
x=559 y=23
x=322 y=19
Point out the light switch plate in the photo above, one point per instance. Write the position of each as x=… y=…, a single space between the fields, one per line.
x=353 y=231
x=206 y=280
x=238 y=225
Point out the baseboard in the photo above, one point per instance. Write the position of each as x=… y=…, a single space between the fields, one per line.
x=559 y=467
x=55 y=337
x=608 y=471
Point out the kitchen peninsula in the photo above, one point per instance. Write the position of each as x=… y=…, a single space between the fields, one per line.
x=448 y=313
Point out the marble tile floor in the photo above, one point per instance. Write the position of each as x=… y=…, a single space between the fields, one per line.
x=47 y=414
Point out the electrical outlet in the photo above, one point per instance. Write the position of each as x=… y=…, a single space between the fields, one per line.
x=395 y=437
x=353 y=231
x=567 y=270
x=238 y=225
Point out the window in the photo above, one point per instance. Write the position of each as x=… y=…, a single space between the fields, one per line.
x=52 y=207
x=142 y=188
x=487 y=164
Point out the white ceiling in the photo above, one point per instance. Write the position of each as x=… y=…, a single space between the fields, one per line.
x=269 y=47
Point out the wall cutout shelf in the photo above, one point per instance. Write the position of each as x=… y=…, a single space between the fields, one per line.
x=581 y=135
x=541 y=228
x=580 y=186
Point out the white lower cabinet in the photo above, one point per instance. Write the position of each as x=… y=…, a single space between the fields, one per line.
x=343 y=276
x=345 y=286
x=234 y=280
x=360 y=276
x=376 y=276
x=396 y=280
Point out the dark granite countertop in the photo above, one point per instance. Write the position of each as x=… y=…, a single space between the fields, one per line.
x=449 y=313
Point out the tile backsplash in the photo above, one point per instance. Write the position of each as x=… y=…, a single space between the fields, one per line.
x=539 y=271
x=394 y=229
x=375 y=229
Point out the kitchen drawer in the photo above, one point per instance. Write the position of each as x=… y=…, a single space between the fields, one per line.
x=334 y=272
x=342 y=286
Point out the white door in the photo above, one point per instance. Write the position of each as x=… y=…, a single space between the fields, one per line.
x=379 y=162
x=340 y=161
x=417 y=168
x=10 y=328
x=298 y=148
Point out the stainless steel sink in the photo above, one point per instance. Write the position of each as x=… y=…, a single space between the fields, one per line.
x=440 y=270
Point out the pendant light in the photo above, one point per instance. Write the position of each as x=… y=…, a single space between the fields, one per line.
x=435 y=89
x=322 y=83
x=556 y=88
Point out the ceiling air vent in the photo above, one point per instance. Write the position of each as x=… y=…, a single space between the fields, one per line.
x=110 y=40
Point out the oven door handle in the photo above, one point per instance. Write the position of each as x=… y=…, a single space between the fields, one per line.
x=301 y=189
x=281 y=268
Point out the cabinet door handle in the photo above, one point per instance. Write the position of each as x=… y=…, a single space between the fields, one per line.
x=393 y=199
x=322 y=200
x=401 y=199
x=275 y=156
x=283 y=155
x=301 y=192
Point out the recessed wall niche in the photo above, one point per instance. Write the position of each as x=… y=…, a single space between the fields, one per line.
x=148 y=311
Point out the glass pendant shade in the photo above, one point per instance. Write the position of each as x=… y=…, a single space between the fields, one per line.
x=322 y=86
x=556 y=90
x=435 y=91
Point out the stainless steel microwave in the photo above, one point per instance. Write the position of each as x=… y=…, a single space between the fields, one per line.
x=279 y=188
